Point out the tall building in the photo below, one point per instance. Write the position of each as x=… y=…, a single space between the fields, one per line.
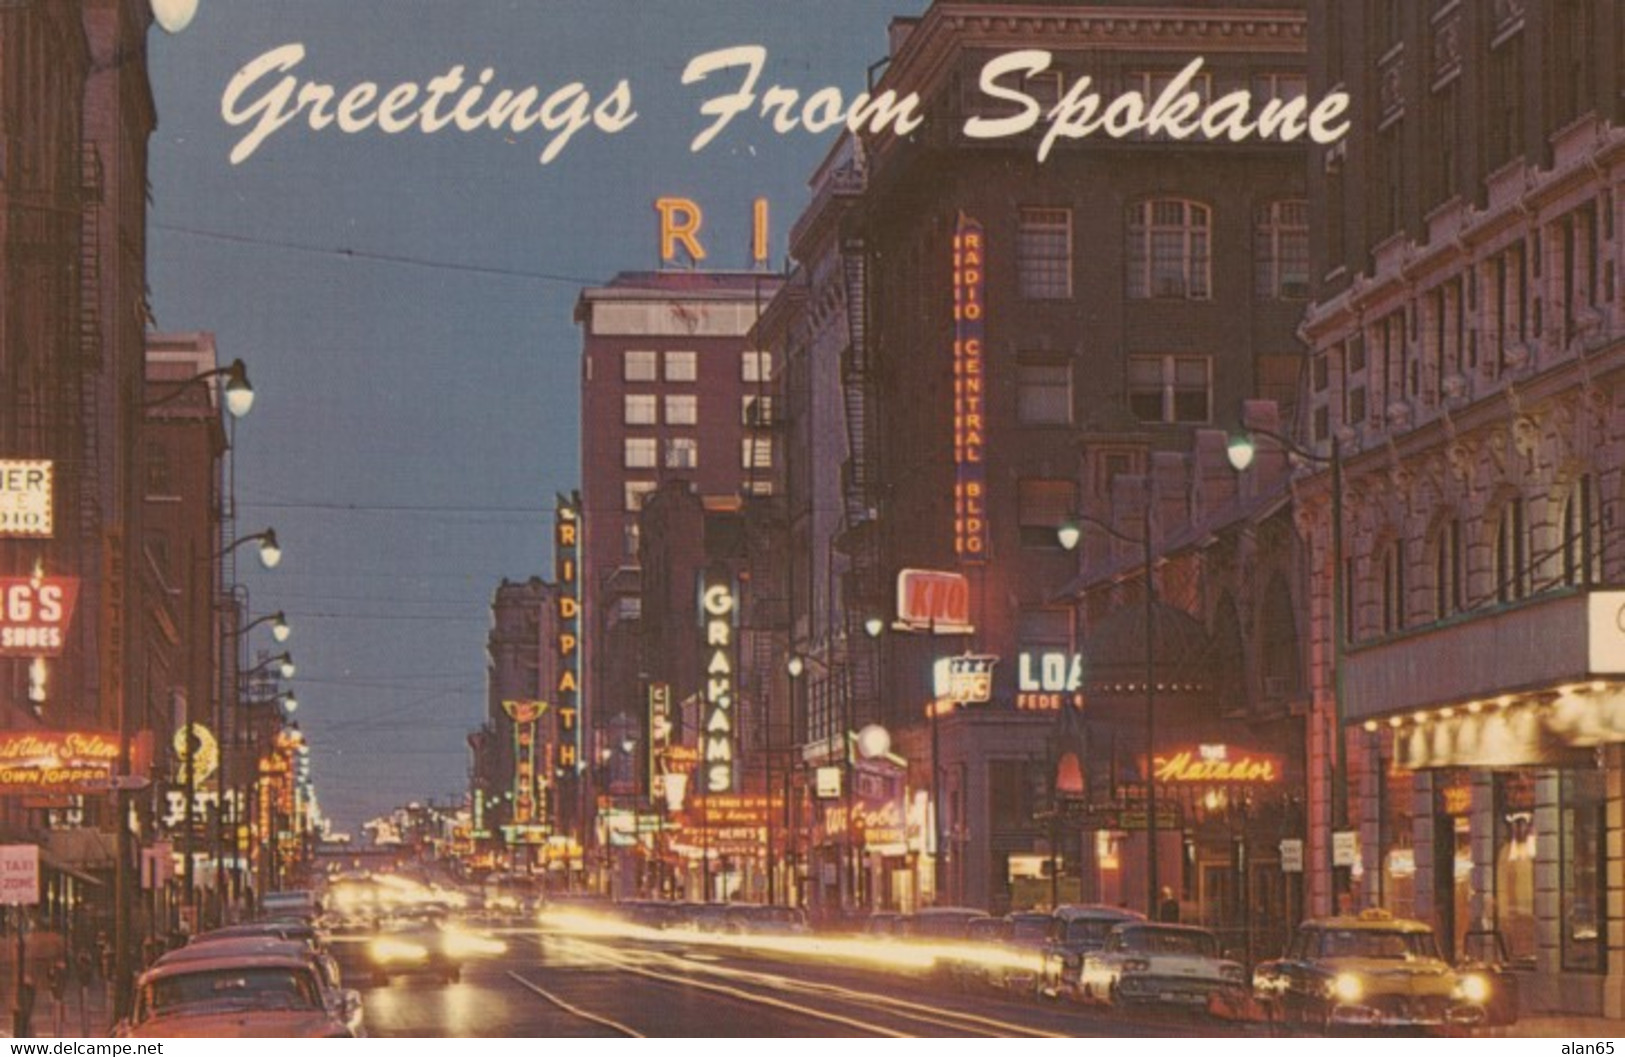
x=671 y=388
x=1007 y=316
x=1467 y=342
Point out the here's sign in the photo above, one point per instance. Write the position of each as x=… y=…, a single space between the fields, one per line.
x=25 y=498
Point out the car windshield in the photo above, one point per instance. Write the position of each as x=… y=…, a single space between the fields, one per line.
x=261 y=988
x=1089 y=930
x=1169 y=941
x=1390 y=944
x=1029 y=928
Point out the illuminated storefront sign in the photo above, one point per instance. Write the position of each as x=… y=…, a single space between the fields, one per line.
x=525 y=834
x=717 y=610
x=25 y=498
x=827 y=783
x=525 y=792
x=567 y=690
x=930 y=600
x=195 y=742
x=967 y=679
x=52 y=761
x=970 y=403
x=1214 y=763
x=660 y=728
x=35 y=612
x=1047 y=681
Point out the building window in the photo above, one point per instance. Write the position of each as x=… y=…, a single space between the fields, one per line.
x=1582 y=535
x=636 y=493
x=629 y=541
x=1171 y=389
x=1167 y=252
x=1044 y=254
x=756 y=411
x=1393 y=587
x=1107 y=465
x=638 y=365
x=1281 y=87
x=756 y=453
x=640 y=453
x=755 y=366
x=1507 y=88
x=1581 y=884
x=682 y=453
x=1511 y=553
x=159 y=476
x=682 y=409
x=681 y=367
x=1515 y=849
x=1044 y=394
x=1150 y=84
x=1448 y=578
x=1511 y=321
x=1043 y=506
x=640 y=409
x=1281 y=250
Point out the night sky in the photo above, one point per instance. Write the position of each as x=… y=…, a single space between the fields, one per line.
x=403 y=303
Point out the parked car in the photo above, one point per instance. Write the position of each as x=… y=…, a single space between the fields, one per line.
x=1369 y=970
x=1485 y=956
x=343 y=1003
x=1148 y=964
x=299 y=931
x=940 y=923
x=973 y=966
x=1076 y=929
x=232 y=996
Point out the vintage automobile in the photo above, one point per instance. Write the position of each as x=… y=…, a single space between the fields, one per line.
x=232 y=996
x=1144 y=964
x=1075 y=930
x=209 y=946
x=1369 y=969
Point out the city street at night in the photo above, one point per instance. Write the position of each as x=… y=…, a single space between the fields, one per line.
x=812 y=519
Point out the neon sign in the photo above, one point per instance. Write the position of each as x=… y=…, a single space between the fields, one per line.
x=1212 y=763
x=680 y=223
x=566 y=691
x=970 y=404
x=717 y=607
x=35 y=612
x=929 y=599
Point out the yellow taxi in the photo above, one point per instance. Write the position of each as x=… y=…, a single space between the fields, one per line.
x=1369 y=969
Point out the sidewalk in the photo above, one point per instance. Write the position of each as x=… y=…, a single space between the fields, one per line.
x=1544 y=1026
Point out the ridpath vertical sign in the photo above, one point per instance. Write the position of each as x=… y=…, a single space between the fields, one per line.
x=567 y=690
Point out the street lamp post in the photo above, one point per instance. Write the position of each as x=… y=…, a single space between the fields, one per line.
x=1241 y=450
x=1069 y=534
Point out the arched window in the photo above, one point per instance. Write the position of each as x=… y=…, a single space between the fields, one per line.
x=1167 y=255
x=1511 y=552
x=1449 y=579
x=1393 y=587
x=1281 y=249
x=1582 y=536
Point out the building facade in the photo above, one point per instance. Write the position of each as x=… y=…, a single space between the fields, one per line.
x=1117 y=294
x=1467 y=341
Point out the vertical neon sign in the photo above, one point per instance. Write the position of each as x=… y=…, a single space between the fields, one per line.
x=567 y=691
x=718 y=606
x=970 y=404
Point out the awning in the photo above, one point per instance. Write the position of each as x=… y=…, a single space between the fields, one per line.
x=78 y=851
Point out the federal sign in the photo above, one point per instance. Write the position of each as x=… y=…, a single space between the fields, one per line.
x=25 y=498
x=19 y=874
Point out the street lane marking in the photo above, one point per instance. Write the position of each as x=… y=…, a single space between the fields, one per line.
x=583 y=1014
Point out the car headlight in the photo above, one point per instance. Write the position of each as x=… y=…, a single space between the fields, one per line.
x=387 y=949
x=1473 y=988
x=1346 y=987
x=460 y=944
x=1136 y=965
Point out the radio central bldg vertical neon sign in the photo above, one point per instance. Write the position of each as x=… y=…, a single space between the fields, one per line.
x=970 y=402
x=567 y=691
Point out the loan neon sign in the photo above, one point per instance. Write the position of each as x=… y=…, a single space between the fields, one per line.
x=717 y=608
x=970 y=403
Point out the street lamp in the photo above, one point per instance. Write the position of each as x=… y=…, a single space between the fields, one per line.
x=279 y=627
x=1241 y=449
x=1069 y=533
x=270 y=549
x=239 y=394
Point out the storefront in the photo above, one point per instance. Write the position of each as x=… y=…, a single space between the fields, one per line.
x=1500 y=745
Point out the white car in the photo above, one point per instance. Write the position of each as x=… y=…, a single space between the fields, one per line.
x=1144 y=963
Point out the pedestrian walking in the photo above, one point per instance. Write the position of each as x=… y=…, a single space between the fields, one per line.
x=56 y=979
